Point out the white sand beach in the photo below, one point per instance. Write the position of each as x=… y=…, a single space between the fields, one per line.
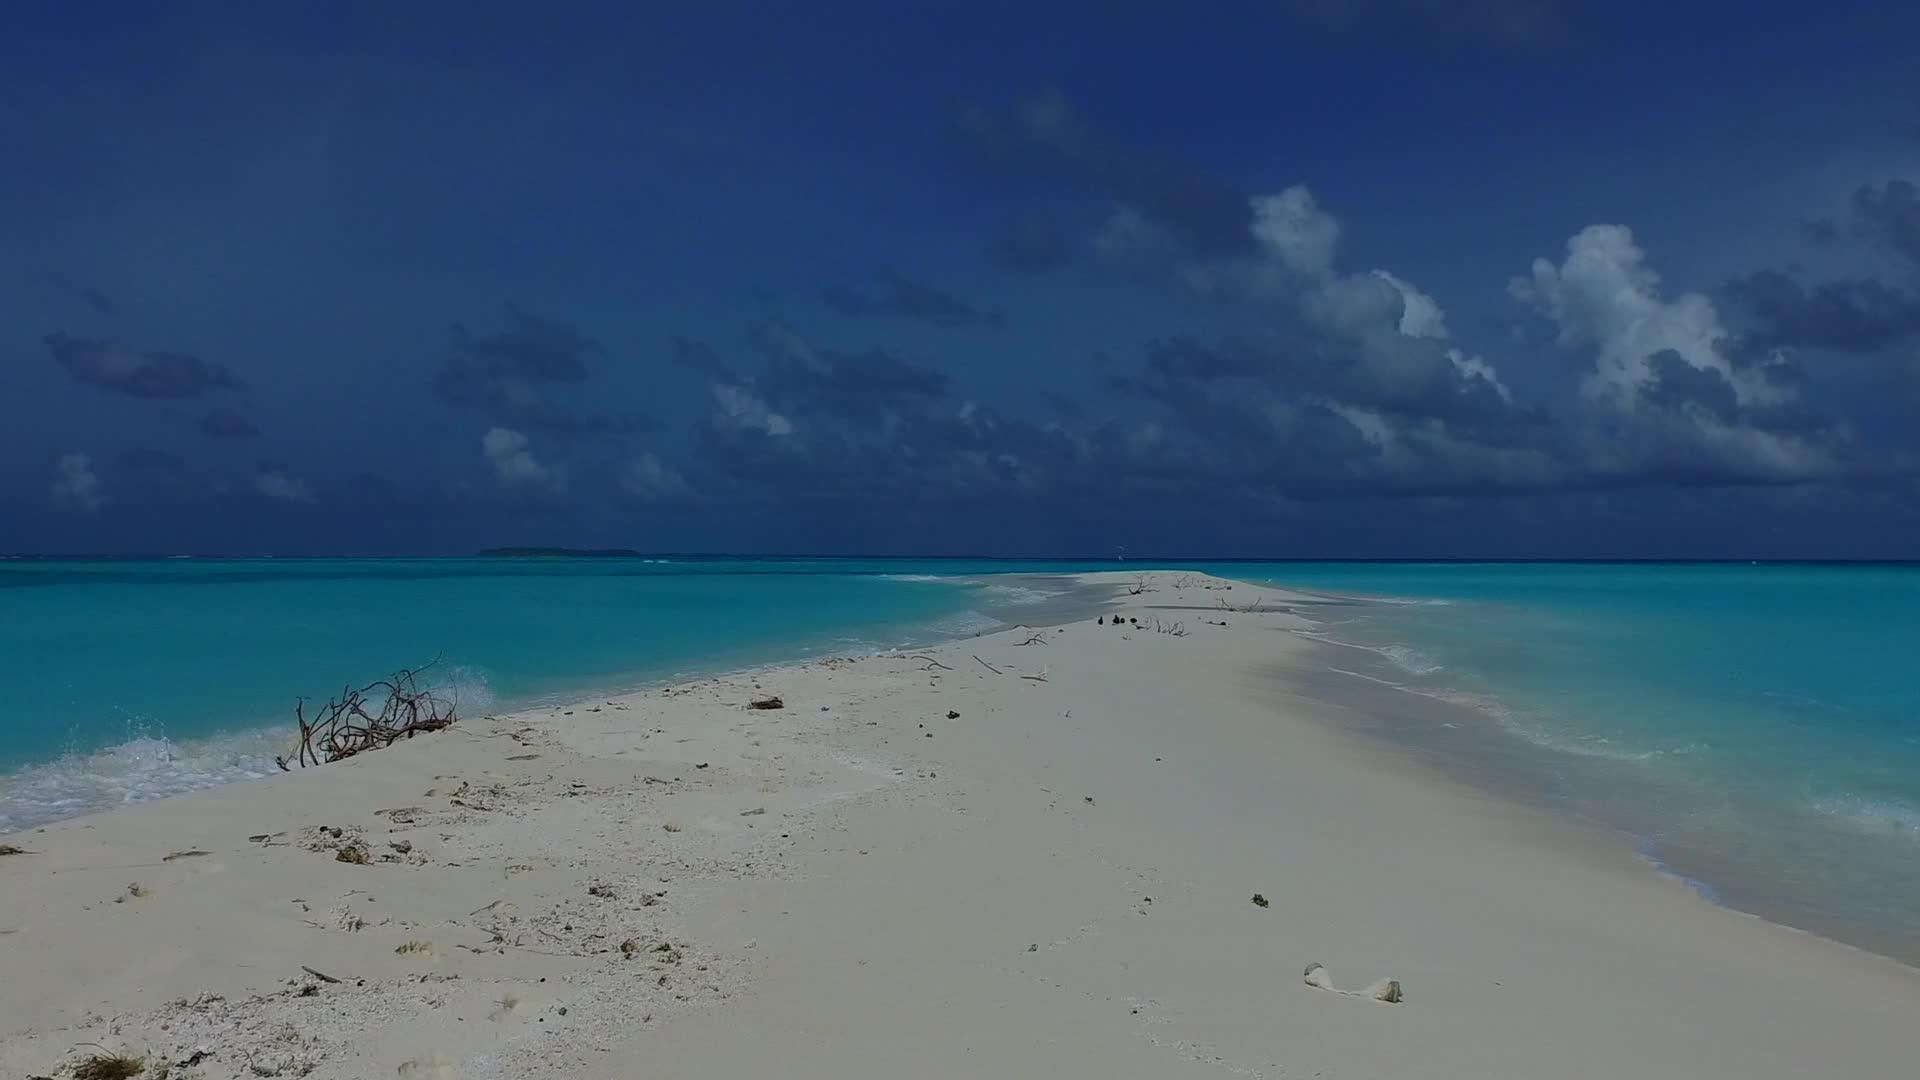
x=1033 y=853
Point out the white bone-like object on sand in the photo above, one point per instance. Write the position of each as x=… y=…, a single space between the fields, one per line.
x=1387 y=990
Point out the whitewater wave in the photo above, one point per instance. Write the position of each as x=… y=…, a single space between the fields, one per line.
x=148 y=766
x=135 y=771
x=919 y=578
x=1017 y=594
x=1884 y=816
x=1406 y=658
x=968 y=623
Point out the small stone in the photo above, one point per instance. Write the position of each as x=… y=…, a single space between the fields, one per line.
x=1259 y=901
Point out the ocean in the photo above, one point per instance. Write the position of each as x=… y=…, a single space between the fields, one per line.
x=126 y=680
x=1751 y=729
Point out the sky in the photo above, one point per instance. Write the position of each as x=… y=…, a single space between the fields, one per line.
x=1259 y=278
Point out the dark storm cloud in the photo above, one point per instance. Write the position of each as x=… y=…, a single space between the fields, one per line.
x=860 y=385
x=137 y=373
x=224 y=423
x=1679 y=385
x=99 y=301
x=149 y=459
x=1032 y=243
x=1044 y=135
x=509 y=376
x=1399 y=375
x=903 y=297
x=1849 y=315
x=1230 y=420
x=1890 y=214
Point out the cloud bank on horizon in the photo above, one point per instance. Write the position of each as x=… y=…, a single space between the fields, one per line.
x=1372 y=279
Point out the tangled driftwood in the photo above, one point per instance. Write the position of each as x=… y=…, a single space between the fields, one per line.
x=375 y=716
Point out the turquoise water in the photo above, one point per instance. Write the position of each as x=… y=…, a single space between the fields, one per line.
x=126 y=680
x=1753 y=729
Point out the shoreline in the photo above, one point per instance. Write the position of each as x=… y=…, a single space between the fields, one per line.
x=1076 y=848
x=244 y=753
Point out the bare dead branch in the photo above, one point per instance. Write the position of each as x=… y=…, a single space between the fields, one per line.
x=344 y=726
x=989 y=667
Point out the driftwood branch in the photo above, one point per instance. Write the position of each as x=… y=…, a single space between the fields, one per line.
x=988 y=666
x=931 y=663
x=376 y=715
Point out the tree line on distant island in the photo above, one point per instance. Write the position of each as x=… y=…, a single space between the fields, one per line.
x=558 y=552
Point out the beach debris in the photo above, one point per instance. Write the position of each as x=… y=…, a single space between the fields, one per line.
x=1259 y=901
x=190 y=853
x=353 y=852
x=430 y=1067
x=1037 y=638
x=1383 y=990
x=1089 y=801
x=523 y=757
x=345 y=726
x=755 y=812
x=953 y=714
x=773 y=702
x=412 y=947
x=404 y=815
x=402 y=847
x=137 y=891
x=605 y=892
x=321 y=975
x=701 y=765
x=988 y=666
x=10 y=849
x=105 y=1065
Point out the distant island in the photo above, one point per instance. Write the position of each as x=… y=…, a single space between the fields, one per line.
x=558 y=552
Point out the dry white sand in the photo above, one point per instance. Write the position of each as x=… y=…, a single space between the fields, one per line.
x=1057 y=881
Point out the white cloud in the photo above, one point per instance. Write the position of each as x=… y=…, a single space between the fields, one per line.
x=76 y=485
x=1473 y=367
x=743 y=410
x=1605 y=296
x=647 y=477
x=1292 y=228
x=278 y=485
x=516 y=466
x=1420 y=314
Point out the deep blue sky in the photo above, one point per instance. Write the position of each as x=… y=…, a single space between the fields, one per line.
x=1294 y=277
